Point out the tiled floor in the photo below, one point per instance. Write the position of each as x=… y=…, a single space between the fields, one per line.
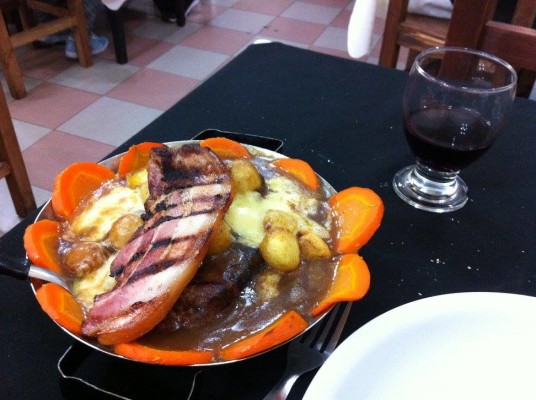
x=76 y=114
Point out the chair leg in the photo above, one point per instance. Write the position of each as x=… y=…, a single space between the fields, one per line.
x=181 y=12
x=9 y=63
x=17 y=180
x=80 y=33
x=27 y=17
x=118 y=35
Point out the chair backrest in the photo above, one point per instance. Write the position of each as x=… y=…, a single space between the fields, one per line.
x=413 y=31
x=472 y=26
x=12 y=166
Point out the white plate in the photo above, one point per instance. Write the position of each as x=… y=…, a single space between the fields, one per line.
x=455 y=346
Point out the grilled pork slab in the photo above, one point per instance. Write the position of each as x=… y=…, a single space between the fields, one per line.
x=190 y=190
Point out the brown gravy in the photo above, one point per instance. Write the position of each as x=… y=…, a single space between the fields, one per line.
x=299 y=290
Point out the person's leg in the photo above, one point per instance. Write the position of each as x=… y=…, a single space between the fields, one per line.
x=91 y=9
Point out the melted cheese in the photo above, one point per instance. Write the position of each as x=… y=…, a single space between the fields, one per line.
x=94 y=283
x=246 y=214
x=97 y=217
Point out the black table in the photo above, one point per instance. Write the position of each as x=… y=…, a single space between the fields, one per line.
x=344 y=118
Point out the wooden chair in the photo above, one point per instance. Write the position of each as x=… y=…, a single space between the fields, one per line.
x=472 y=26
x=70 y=17
x=413 y=31
x=12 y=165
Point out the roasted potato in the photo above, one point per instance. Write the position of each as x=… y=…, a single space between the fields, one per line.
x=280 y=219
x=139 y=180
x=313 y=246
x=123 y=229
x=268 y=285
x=84 y=257
x=244 y=175
x=280 y=249
x=220 y=240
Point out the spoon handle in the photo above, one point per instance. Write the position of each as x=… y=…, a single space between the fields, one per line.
x=49 y=276
x=15 y=267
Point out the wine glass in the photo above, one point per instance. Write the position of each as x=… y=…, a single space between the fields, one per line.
x=455 y=102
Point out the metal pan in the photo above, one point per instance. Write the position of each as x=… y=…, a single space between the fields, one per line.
x=113 y=162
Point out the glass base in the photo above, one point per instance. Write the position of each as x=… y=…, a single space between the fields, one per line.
x=430 y=190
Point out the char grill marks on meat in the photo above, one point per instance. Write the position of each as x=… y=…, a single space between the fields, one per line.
x=218 y=282
x=190 y=190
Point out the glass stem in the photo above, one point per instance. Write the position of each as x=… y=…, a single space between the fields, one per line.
x=435 y=183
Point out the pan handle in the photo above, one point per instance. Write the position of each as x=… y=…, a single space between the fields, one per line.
x=75 y=387
x=15 y=267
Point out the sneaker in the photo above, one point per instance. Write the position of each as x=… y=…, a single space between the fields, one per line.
x=97 y=43
x=56 y=38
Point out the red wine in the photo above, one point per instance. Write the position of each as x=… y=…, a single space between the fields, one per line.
x=446 y=138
